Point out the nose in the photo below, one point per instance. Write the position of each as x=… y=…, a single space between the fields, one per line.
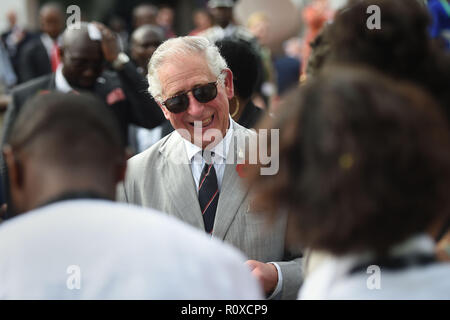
x=195 y=108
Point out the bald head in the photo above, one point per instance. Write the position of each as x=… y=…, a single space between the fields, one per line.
x=81 y=56
x=72 y=36
x=51 y=16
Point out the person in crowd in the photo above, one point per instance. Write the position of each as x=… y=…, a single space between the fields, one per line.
x=246 y=66
x=222 y=12
x=65 y=157
x=258 y=23
x=402 y=49
x=224 y=25
x=40 y=56
x=194 y=173
x=164 y=19
x=14 y=39
x=144 y=14
x=315 y=16
x=144 y=42
x=320 y=50
x=8 y=77
x=362 y=176
x=84 y=53
x=202 y=20
x=118 y=24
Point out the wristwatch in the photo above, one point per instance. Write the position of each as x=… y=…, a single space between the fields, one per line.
x=121 y=59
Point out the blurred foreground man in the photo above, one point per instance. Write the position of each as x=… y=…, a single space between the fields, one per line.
x=65 y=157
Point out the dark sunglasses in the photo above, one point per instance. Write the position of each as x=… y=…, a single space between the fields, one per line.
x=202 y=94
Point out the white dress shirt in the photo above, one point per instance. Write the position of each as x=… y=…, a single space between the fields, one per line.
x=194 y=154
x=48 y=43
x=98 y=249
x=61 y=83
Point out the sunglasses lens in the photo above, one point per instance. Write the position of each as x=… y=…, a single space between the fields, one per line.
x=205 y=93
x=177 y=104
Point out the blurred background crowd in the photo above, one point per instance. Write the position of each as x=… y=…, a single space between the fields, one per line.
x=365 y=149
x=279 y=31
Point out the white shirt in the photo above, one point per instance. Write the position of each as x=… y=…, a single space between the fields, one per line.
x=48 y=43
x=330 y=279
x=194 y=154
x=97 y=249
x=61 y=83
x=147 y=137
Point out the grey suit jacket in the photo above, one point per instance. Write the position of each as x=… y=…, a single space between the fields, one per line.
x=161 y=178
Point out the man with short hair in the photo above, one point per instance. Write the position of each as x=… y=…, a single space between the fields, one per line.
x=194 y=172
x=40 y=56
x=224 y=26
x=84 y=53
x=144 y=41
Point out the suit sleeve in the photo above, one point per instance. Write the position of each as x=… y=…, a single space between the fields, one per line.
x=142 y=109
x=292 y=272
x=26 y=65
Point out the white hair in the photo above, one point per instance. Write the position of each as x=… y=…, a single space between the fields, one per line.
x=180 y=46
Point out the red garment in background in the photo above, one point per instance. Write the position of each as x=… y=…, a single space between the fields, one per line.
x=55 y=58
x=315 y=16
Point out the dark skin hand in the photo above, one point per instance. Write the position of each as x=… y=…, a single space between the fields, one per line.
x=110 y=45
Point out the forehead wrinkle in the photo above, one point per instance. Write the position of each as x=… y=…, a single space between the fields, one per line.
x=179 y=82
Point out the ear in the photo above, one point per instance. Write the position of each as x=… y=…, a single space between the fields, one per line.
x=165 y=111
x=229 y=89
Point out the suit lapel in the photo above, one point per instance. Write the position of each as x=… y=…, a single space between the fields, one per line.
x=179 y=183
x=232 y=193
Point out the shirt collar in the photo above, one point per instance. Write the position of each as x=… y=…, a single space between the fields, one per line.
x=48 y=42
x=220 y=150
x=61 y=83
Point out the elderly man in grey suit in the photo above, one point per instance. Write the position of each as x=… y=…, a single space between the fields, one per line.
x=192 y=173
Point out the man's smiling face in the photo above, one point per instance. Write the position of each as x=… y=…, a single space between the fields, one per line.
x=183 y=73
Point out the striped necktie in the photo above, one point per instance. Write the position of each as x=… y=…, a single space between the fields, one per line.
x=208 y=192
